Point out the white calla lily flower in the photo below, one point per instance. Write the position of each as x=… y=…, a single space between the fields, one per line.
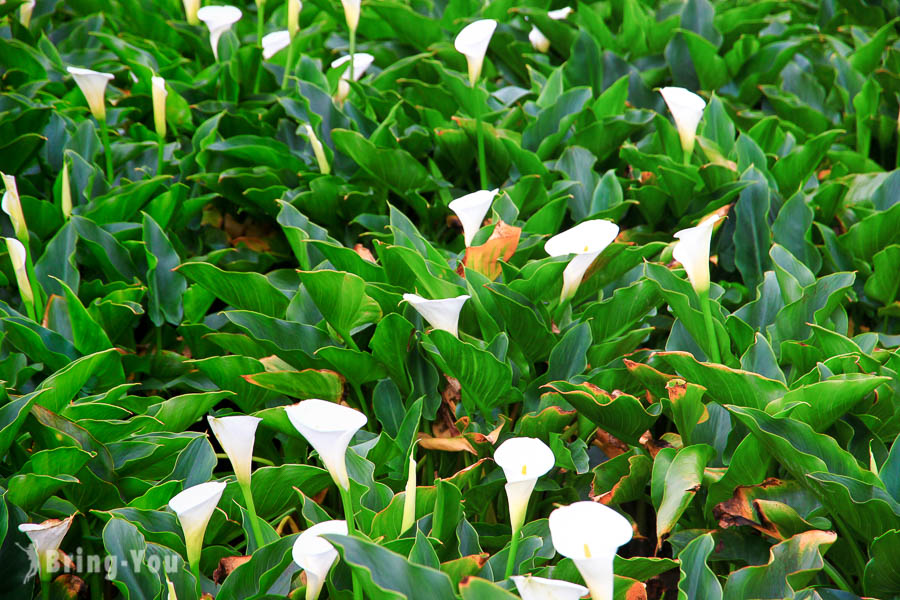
x=158 y=85
x=236 y=435
x=409 y=501
x=46 y=538
x=473 y=42
x=560 y=14
x=93 y=86
x=361 y=62
x=194 y=507
x=523 y=460
x=293 y=20
x=540 y=588
x=692 y=251
x=190 y=11
x=538 y=40
x=12 y=206
x=316 y=555
x=440 y=314
x=328 y=427
x=687 y=110
x=19 y=258
x=218 y=19
x=25 y=12
x=471 y=209
x=275 y=42
x=586 y=241
x=66 y=191
x=351 y=13
x=590 y=533
x=318 y=150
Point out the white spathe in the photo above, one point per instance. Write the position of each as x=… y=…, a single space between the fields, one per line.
x=471 y=209
x=540 y=588
x=560 y=13
x=93 y=86
x=46 y=538
x=194 y=507
x=409 y=500
x=328 y=427
x=523 y=460
x=158 y=85
x=66 y=191
x=440 y=314
x=316 y=555
x=236 y=435
x=275 y=42
x=361 y=62
x=351 y=13
x=687 y=110
x=19 y=258
x=318 y=150
x=218 y=19
x=590 y=533
x=25 y=12
x=586 y=241
x=473 y=42
x=538 y=40
x=12 y=206
x=190 y=11
x=293 y=19
x=692 y=251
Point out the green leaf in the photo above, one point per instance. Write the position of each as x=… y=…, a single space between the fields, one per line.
x=395 y=168
x=681 y=484
x=882 y=575
x=474 y=588
x=254 y=578
x=247 y=291
x=697 y=580
x=310 y=383
x=133 y=578
x=166 y=285
x=342 y=300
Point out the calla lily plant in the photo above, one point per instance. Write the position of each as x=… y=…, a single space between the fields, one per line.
x=586 y=241
x=159 y=93
x=472 y=42
x=540 y=588
x=692 y=251
x=687 y=110
x=45 y=538
x=523 y=460
x=471 y=210
x=194 y=507
x=218 y=20
x=440 y=314
x=590 y=533
x=93 y=86
x=315 y=555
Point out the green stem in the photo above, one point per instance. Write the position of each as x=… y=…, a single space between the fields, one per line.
x=260 y=22
x=352 y=51
x=195 y=569
x=836 y=577
x=348 y=339
x=513 y=551
x=251 y=509
x=264 y=461
x=710 y=331
x=479 y=137
x=858 y=557
x=347 y=501
x=160 y=151
x=287 y=65
x=45 y=585
x=104 y=135
x=159 y=340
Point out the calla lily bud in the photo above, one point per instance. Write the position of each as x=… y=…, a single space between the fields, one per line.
x=93 y=86
x=471 y=209
x=159 y=105
x=440 y=314
x=194 y=507
x=538 y=40
x=190 y=11
x=539 y=588
x=560 y=14
x=66 y=191
x=316 y=555
x=473 y=42
x=409 y=501
x=328 y=427
x=361 y=62
x=293 y=10
x=12 y=206
x=25 y=13
x=46 y=538
x=19 y=258
x=351 y=13
x=590 y=533
x=523 y=460
x=687 y=110
x=586 y=241
x=275 y=42
x=318 y=150
x=236 y=435
x=218 y=19
x=692 y=251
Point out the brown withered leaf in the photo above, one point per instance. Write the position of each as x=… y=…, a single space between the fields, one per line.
x=365 y=253
x=253 y=243
x=445 y=444
x=610 y=444
x=652 y=445
x=226 y=565
x=636 y=591
x=501 y=245
x=69 y=587
x=741 y=509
